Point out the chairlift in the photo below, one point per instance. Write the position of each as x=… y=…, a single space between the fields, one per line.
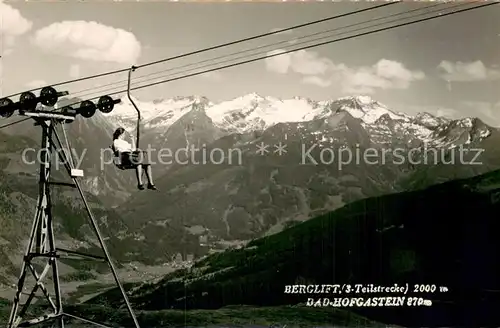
x=117 y=161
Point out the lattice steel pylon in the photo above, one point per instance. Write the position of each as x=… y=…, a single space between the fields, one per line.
x=42 y=239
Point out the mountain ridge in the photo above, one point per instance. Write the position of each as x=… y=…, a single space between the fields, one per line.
x=254 y=113
x=238 y=202
x=255 y=198
x=247 y=104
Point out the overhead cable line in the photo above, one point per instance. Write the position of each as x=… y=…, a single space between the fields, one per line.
x=440 y=15
x=216 y=47
x=148 y=76
x=311 y=46
x=267 y=56
x=115 y=85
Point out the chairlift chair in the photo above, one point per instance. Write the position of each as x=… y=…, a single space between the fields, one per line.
x=117 y=160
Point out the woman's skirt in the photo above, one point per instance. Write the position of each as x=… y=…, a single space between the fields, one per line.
x=135 y=158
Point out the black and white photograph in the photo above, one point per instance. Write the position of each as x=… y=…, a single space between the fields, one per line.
x=249 y=164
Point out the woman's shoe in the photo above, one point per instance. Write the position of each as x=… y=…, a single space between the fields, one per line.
x=140 y=187
x=152 y=187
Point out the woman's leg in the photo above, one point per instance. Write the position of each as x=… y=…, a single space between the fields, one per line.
x=149 y=175
x=129 y=159
x=138 y=172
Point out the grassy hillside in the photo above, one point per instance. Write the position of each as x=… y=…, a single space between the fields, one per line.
x=235 y=316
x=445 y=235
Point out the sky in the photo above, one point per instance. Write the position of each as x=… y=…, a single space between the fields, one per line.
x=448 y=66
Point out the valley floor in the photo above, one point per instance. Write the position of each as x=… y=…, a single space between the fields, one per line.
x=80 y=291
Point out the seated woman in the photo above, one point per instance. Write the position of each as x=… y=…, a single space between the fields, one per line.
x=133 y=157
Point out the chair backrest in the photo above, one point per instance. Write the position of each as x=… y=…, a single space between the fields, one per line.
x=115 y=152
x=116 y=157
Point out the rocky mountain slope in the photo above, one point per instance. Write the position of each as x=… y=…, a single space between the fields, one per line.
x=443 y=236
x=18 y=196
x=253 y=112
x=211 y=203
x=181 y=122
x=203 y=205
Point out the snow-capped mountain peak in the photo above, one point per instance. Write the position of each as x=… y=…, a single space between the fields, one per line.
x=428 y=120
x=248 y=112
x=155 y=114
x=254 y=112
x=368 y=109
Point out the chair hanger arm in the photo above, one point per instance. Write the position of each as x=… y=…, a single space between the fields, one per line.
x=132 y=69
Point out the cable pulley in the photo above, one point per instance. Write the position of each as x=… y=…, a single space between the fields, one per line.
x=49 y=96
x=28 y=101
x=87 y=109
x=106 y=104
x=7 y=107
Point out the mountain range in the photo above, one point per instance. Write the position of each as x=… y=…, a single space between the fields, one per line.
x=249 y=195
x=208 y=207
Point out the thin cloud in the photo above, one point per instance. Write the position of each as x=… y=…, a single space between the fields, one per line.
x=13 y=25
x=316 y=80
x=323 y=72
x=467 y=71
x=89 y=41
x=488 y=111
